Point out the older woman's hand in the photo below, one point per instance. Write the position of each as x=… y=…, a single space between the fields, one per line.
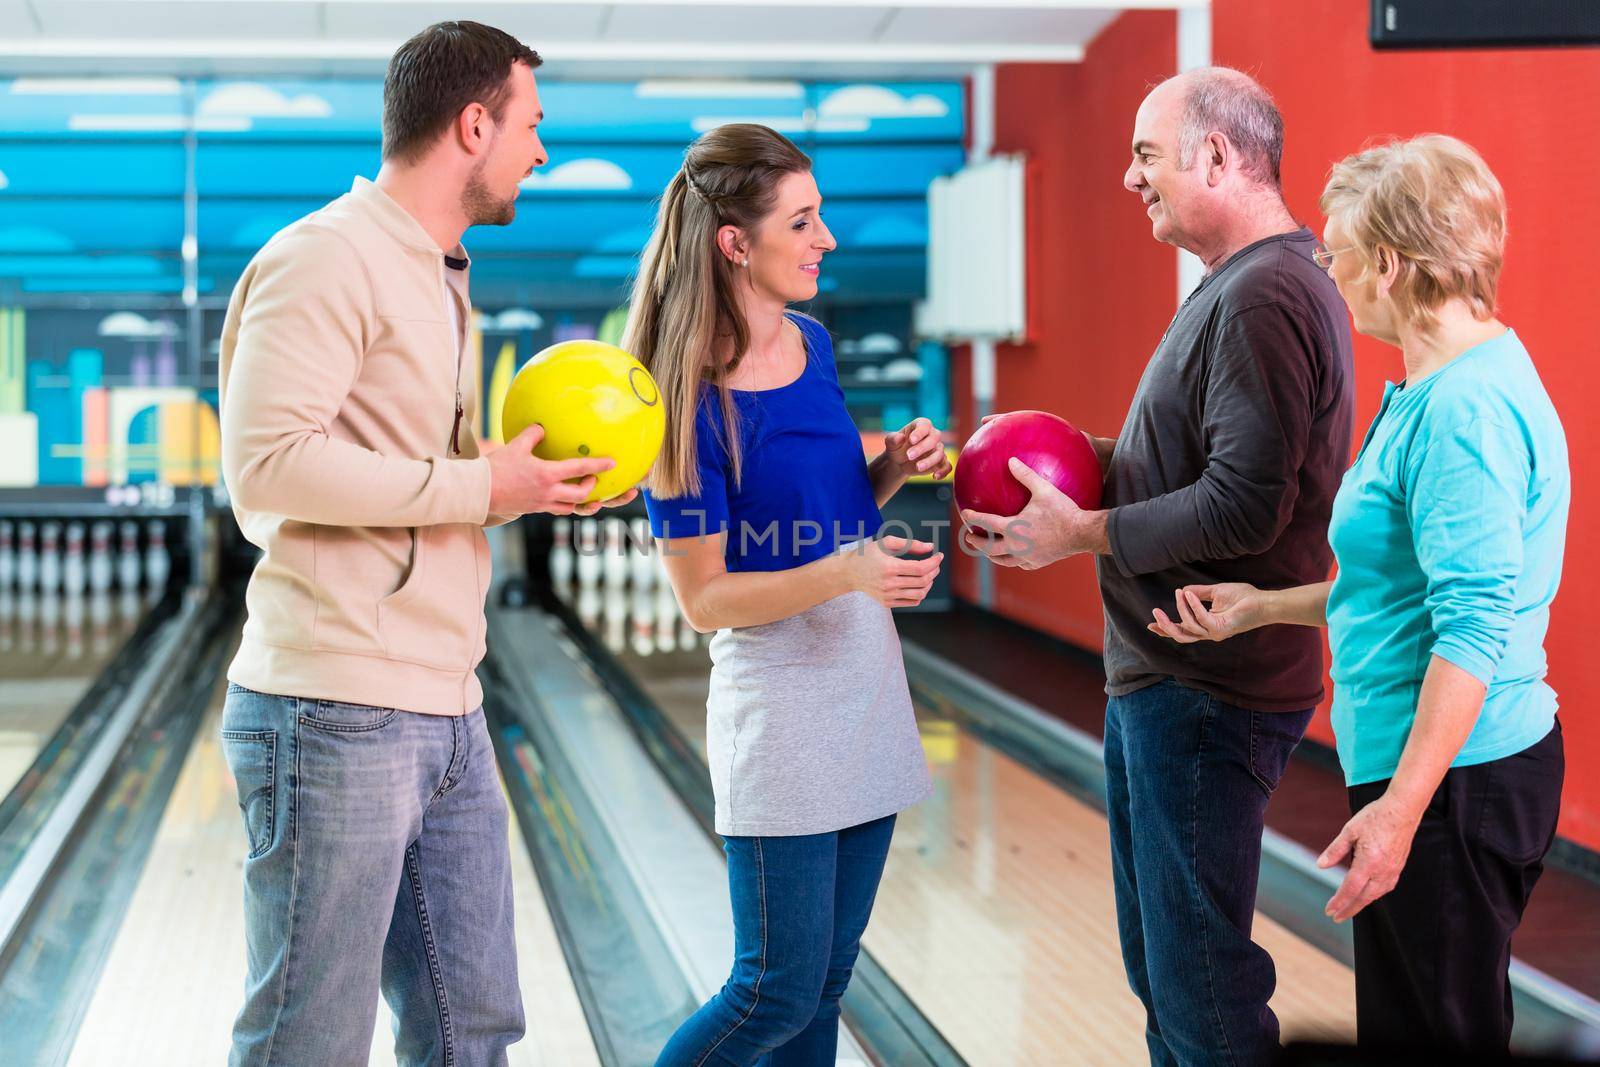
x=1379 y=836
x=1235 y=608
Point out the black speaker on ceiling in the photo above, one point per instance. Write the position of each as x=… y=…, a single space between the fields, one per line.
x=1484 y=23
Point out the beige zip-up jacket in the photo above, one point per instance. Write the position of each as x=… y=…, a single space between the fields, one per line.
x=342 y=384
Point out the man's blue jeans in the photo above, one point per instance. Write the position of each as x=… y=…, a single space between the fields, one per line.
x=800 y=905
x=378 y=858
x=1187 y=783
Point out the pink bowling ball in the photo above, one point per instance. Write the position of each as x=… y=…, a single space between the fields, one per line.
x=1051 y=446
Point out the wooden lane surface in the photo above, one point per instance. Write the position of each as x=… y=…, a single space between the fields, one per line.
x=175 y=975
x=996 y=913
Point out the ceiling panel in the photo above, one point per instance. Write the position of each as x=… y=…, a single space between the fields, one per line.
x=17 y=19
x=996 y=25
x=262 y=19
x=761 y=24
x=600 y=39
x=529 y=23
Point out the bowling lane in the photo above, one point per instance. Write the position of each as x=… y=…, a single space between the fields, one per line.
x=52 y=648
x=175 y=973
x=61 y=622
x=996 y=914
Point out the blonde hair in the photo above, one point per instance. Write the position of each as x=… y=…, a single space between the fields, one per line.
x=1433 y=202
x=684 y=302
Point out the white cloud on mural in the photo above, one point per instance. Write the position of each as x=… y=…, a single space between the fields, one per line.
x=254 y=100
x=878 y=344
x=580 y=174
x=514 y=319
x=131 y=324
x=878 y=102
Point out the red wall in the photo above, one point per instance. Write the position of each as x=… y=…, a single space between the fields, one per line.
x=1100 y=290
x=1105 y=291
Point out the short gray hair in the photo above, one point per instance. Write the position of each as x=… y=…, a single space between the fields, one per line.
x=1230 y=102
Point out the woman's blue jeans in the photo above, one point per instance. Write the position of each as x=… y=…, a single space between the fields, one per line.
x=800 y=905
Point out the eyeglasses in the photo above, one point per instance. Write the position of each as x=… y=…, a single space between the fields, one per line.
x=1323 y=257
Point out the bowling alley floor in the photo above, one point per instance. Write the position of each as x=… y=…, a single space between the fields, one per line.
x=1560 y=934
x=995 y=916
x=175 y=974
x=50 y=654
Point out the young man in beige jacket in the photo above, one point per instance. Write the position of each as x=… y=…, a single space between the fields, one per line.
x=378 y=848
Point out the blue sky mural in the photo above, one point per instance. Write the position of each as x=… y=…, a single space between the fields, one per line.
x=92 y=175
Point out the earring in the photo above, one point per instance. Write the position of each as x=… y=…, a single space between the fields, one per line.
x=747 y=261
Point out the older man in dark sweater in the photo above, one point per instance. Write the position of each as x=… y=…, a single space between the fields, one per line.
x=1225 y=470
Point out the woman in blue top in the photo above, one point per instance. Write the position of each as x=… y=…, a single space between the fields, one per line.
x=1448 y=533
x=767 y=516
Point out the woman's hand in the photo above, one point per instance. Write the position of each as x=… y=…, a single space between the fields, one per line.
x=1235 y=608
x=918 y=448
x=1379 y=838
x=620 y=500
x=882 y=569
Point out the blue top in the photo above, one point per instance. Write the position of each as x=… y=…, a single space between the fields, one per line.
x=804 y=489
x=1448 y=532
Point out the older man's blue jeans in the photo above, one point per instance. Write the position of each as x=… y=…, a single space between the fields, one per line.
x=1187 y=783
x=377 y=858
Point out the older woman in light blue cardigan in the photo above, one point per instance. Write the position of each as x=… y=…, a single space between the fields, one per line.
x=1448 y=532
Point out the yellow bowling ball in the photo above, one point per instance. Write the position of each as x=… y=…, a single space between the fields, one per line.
x=594 y=401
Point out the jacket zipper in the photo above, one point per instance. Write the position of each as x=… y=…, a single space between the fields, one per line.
x=456 y=323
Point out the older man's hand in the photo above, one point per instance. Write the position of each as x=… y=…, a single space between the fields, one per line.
x=1051 y=527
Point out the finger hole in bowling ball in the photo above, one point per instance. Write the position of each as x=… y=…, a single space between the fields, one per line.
x=583 y=450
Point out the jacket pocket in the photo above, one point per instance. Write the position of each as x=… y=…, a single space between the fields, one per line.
x=443 y=627
x=360 y=570
x=415 y=575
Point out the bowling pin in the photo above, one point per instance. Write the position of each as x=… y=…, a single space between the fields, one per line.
x=562 y=558
x=666 y=616
x=128 y=564
x=643 y=612
x=100 y=622
x=27 y=556
x=74 y=574
x=50 y=623
x=72 y=615
x=615 y=613
x=27 y=619
x=589 y=606
x=100 y=566
x=589 y=564
x=642 y=548
x=8 y=555
x=157 y=562
x=50 y=559
x=615 y=567
x=8 y=618
x=129 y=607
